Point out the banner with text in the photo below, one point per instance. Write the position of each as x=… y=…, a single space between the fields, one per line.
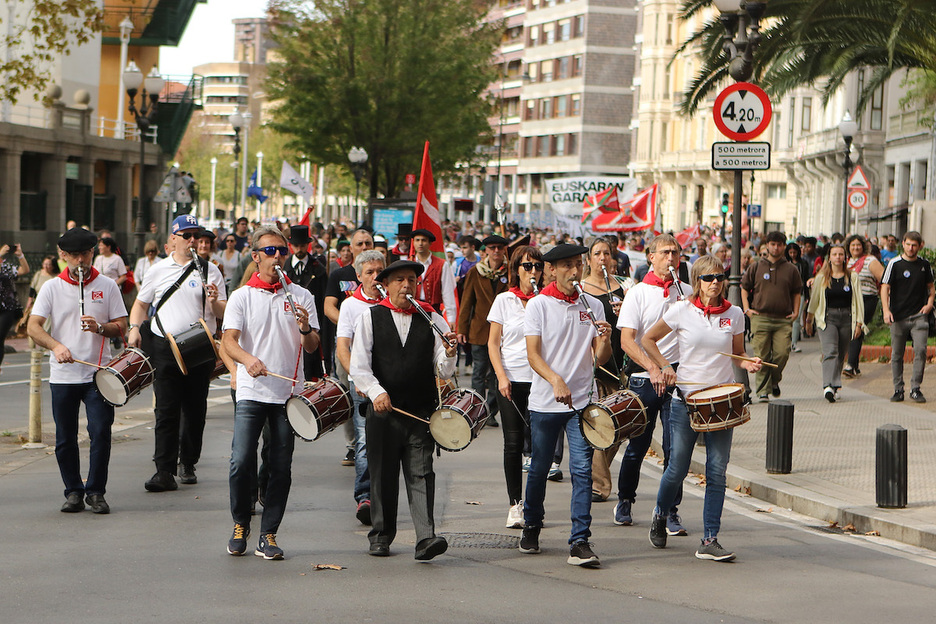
x=566 y=195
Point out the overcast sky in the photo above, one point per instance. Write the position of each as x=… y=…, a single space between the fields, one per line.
x=209 y=37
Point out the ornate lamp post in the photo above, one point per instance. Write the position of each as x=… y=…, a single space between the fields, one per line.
x=358 y=158
x=144 y=116
x=126 y=29
x=214 y=176
x=848 y=127
x=237 y=122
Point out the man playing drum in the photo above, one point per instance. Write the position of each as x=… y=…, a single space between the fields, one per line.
x=274 y=343
x=563 y=342
x=181 y=400
x=707 y=329
x=394 y=360
x=80 y=325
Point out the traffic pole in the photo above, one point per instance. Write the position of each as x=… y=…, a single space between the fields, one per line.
x=35 y=397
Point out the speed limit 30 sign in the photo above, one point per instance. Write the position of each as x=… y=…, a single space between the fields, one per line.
x=857 y=198
x=742 y=111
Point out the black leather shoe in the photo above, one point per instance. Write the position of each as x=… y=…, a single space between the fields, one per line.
x=73 y=503
x=430 y=548
x=162 y=481
x=379 y=550
x=97 y=503
x=187 y=476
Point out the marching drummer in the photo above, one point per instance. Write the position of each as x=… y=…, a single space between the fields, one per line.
x=264 y=334
x=181 y=400
x=84 y=309
x=394 y=359
x=565 y=334
x=706 y=327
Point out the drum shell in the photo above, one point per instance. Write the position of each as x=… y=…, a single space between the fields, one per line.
x=612 y=419
x=471 y=407
x=327 y=403
x=717 y=413
x=134 y=371
x=193 y=347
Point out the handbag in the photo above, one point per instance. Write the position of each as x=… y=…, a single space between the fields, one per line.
x=129 y=284
x=931 y=321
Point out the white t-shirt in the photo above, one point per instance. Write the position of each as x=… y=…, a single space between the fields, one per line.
x=112 y=267
x=269 y=331
x=643 y=306
x=58 y=302
x=700 y=339
x=184 y=307
x=351 y=310
x=508 y=310
x=567 y=334
x=142 y=266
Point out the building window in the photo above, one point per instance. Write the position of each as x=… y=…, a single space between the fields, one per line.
x=562 y=72
x=546 y=71
x=559 y=143
x=512 y=106
x=806 y=121
x=877 y=108
x=527 y=147
x=573 y=144
x=576 y=65
x=543 y=145
x=578 y=28
x=776 y=191
x=669 y=29
x=789 y=140
x=545 y=111
x=530 y=113
x=533 y=72
x=663 y=127
x=576 y=105
x=561 y=106
x=534 y=36
x=549 y=33
x=565 y=29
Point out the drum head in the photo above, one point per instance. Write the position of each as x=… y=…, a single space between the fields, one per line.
x=450 y=429
x=301 y=418
x=598 y=426
x=715 y=392
x=111 y=387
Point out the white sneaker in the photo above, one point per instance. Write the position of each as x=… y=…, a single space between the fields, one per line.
x=515 y=516
x=526 y=463
x=829 y=393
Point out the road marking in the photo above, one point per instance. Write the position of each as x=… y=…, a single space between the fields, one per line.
x=24 y=381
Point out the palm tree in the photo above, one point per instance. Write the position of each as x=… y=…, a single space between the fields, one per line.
x=820 y=41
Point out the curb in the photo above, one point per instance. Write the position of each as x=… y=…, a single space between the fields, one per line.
x=873 y=353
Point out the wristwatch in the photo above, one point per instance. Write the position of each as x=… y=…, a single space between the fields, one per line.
x=132 y=326
x=100 y=329
x=305 y=333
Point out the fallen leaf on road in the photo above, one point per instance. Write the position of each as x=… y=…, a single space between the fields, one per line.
x=833 y=524
x=327 y=566
x=873 y=533
x=849 y=527
x=768 y=510
x=472 y=502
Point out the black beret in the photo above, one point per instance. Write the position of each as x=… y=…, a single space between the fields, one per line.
x=563 y=251
x=494 y=239
x=426 y=233
x=400 y=265
x=77 y=240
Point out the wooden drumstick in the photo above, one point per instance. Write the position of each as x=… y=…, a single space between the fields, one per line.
x=76 y=361
x=746 y=359
x=284 y=377
x=397 y=409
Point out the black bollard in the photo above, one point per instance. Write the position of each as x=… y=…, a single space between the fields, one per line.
x=779 y=437
x=891 y=467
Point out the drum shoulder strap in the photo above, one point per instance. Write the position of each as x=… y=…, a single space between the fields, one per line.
x=168 y=293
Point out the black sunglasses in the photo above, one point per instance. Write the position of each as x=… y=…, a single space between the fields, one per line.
x=529 y=266
x=272 y=249
x=186 y=235
x=711 y=277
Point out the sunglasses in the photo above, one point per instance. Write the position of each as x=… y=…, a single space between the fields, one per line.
x=529 y=266
x=186 y=235
x=711 y=277
x=272 y=249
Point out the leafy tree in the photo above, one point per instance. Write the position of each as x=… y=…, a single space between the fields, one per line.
x=42 y=31
x=806 y=42
x=385 y=75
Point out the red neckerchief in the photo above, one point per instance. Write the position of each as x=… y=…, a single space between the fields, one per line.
x=553 y=291
x=256 y=282
x=524 y=297
x=359 y=294
x=859 y=264
x=410 y=310
x=652 y=279
x=92 y=273
x=708 y=310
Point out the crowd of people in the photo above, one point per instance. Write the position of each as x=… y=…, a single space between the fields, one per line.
x=548 y=324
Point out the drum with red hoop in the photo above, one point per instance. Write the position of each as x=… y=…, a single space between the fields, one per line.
x=612 y=419
x=320 y=408
x=458 y=420
x=124 y=377
x=717 y=407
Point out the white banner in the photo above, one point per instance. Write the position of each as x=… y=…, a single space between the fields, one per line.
x=292 y=181
x=566 y=195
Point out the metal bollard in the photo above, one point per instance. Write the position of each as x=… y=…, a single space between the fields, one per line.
x=890 y=467
x=779 y=437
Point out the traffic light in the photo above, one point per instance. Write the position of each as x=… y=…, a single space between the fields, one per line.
x=724 y=203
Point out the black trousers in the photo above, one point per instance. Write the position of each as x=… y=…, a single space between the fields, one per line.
x=181 y=403
x=515 y=428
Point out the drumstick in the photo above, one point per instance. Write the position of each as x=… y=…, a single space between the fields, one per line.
x=397 y=409
x=77 y=361
x=281 y=376
x=747 y=359
x=609 y=372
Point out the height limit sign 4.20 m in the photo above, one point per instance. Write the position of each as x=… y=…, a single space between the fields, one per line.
x=742 y=111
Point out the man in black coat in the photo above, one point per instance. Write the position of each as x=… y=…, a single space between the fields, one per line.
x=304 y=270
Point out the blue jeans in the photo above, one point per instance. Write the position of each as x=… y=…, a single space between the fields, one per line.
x=249 y=418
x=545 y=430
x=66 y=400
x=629 y=477
x=717 y=453
x=361 y=473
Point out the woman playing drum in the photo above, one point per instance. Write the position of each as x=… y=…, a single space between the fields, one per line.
x=507 y=349
x=705 y=325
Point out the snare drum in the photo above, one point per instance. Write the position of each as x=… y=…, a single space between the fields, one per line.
x=445 y=386
x=318 y=409
x=193 y=347
x=618 y=416
x=459 y=420
x=718 y=407
x=124 y=377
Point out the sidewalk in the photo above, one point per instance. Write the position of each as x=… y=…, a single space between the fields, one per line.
x=833 y=476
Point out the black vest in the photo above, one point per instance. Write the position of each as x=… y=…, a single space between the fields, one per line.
x=406 y=372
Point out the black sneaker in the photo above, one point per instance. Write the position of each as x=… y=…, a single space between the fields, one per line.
x=187 y=476
x=829 y=394
x=917 y=396
x=898 y=396
x=776 y=391
x=363 y=513
x=529 y=541
x=267 y=547
x=763 y=398
x=713 y=551
x=430 y=548
x=658 y=531
x=162 y=481
x=580 y=554
x=622 y=513
x=73 y=503
x=492 y=422
x=97 y=503
x=348 y=459
x=237 y=545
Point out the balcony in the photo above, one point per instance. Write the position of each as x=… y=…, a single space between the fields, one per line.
x=155 y=22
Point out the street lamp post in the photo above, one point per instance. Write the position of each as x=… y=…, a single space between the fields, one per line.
x=358 y=158
x=126 y=29
x=246 y=126
x=214 y=177
x=237 y=121
x=144 y=116
x=260 y=184
x=848 y=128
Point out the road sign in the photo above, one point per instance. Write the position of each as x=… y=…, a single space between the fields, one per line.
x=858 y=179
x=857 y=198
x=742 y=111
x=740 y=156
x=165 y=193
x=753 y=211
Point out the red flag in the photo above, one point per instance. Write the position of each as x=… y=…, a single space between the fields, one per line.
x=426 y=216
x=305 y=219
x=636 y=214
x=605 y=201
x=688 y=236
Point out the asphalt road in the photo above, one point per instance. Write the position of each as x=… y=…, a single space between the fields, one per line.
x=161 y=557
